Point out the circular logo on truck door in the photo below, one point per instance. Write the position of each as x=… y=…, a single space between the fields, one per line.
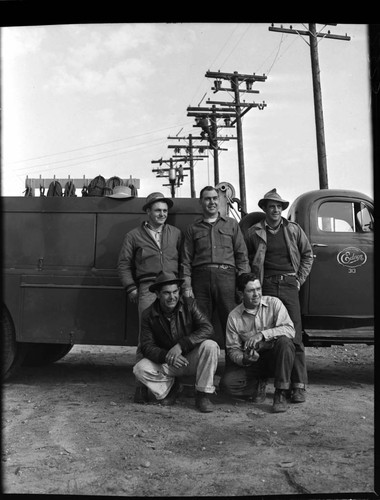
x=352 y=257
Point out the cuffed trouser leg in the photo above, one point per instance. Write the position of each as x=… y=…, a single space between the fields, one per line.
x=299 y=377
x=159 y=378
x=283 y=358
x=287 y=292
x=206 y=359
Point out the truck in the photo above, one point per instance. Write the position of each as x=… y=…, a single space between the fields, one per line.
x=61 y=286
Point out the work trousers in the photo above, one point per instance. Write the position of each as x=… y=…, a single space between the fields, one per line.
x=159 y=378
x=285 y=288
x=214 y=289
x=276 y=362
x=146 y=298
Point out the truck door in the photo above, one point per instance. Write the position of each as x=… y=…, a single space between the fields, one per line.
x=342 y=278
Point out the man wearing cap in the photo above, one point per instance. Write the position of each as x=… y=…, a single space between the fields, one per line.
x=214 y=254
x=151 y=247
x=282 y=253
x=176 y=340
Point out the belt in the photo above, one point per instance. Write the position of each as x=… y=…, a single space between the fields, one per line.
x=216 y=266
x=280 y=277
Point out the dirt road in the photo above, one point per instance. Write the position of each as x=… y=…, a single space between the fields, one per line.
x=72 y=428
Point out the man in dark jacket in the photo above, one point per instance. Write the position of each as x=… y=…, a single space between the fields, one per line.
x=151 y=247
x=176 y=340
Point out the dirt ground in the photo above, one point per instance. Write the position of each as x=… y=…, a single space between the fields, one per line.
x=72 y=428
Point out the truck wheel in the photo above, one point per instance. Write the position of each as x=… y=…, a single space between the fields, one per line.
x=13 y=352
x=40 y=354
x=249 y=220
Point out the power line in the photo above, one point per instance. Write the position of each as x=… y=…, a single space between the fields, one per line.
x=91 y=146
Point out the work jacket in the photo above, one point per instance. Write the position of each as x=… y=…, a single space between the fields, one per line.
x=218 y=243
x=187 y=327
x=300 y=251
x=141 y=259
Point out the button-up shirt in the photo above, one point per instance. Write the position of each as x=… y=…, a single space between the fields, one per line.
x=271 y=319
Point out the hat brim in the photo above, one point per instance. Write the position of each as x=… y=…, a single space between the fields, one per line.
x=165 y=200
x=119 y=195
x=261 y=202
x=156 y=286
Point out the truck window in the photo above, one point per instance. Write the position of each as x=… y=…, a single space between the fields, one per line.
x=344 y=217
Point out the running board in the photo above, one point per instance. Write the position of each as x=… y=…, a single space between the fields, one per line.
x=362 y=335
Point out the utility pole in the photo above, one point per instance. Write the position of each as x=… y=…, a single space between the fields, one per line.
x=190 y=157
x=206 y=118
x=174 y=173
x=317 y=92
x=236 y=79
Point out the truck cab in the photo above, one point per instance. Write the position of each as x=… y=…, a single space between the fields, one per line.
x=337 y=299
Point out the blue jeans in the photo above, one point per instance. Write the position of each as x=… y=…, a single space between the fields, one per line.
x=286 y=290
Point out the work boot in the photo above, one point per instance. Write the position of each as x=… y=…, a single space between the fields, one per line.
x=141 y=394
x=171 y=398
x=298 y=395
x=280 y=404
x=260 y=391
x=203 y=403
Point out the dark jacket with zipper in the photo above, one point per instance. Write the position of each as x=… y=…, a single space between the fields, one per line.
x=141 y=259
x=188 y=327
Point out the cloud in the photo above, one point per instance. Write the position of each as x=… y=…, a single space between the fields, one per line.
x=21 y=41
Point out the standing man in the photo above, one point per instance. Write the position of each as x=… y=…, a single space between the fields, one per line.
x=281 y=251
x=152 y=247
x=214 y=253
x=259 y=337
x=176 y=340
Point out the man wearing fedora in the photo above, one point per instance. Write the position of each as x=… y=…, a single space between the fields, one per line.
x=281 y=252
x=176 y=340
x=151 y=247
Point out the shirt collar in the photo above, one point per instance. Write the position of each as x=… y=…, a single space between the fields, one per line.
x=263 y=302
x=273 y=228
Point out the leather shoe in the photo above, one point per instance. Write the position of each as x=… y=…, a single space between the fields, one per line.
x=260 y=391
x=280 y=404
x=298 y=395
x=170 y=399
x=203 y=403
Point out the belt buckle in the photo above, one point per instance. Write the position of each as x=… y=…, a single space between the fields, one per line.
x=282 y=277
x=223 y=266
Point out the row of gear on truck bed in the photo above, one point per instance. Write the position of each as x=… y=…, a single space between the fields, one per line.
x=98 y=186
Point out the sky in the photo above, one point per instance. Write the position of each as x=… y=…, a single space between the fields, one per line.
x=103 y=99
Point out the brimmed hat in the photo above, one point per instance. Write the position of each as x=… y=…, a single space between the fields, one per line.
x=153 y=197
x=165 y=279
x=274 y=196
x=120 y=192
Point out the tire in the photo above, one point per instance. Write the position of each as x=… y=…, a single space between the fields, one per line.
x=13 y=352
x=249 y=220
x=40 y=354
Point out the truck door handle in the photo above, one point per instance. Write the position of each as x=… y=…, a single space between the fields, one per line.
x=319 y=245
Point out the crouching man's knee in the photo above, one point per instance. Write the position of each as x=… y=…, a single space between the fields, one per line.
x=209 y=346
x=140 y=369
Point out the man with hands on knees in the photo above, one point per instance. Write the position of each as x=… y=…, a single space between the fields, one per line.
x=176 y=340
x=259 y=343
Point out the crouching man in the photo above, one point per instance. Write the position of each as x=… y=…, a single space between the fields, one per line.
x=259 y=342
x=176 y=340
